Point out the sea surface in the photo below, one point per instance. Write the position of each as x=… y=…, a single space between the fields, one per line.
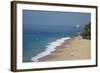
x=37 y=44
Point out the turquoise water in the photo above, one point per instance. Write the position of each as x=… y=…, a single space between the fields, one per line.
x=36 y=42
x=43 y=30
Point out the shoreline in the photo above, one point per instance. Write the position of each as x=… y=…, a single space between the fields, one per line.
x=76 y=48
x=51 y=47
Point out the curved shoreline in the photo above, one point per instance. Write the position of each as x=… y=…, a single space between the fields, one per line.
x=51 y=47
x=77 y=49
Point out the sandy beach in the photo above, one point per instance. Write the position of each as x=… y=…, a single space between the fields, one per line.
x=75 y=49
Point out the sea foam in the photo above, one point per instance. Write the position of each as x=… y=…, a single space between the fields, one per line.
x=49 y=48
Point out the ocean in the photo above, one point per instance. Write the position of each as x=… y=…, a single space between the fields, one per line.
x=39 y=44
x=44 y=31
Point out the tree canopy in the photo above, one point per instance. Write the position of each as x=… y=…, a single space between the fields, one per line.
x=87 y=31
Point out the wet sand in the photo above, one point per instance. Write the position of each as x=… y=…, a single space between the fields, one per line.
x=74 y=49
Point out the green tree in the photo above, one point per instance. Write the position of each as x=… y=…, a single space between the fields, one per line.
x=87 y=31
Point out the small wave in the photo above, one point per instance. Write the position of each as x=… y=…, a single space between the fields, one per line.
x=49 y=48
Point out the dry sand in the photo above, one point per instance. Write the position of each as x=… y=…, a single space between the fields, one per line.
x=77 y=49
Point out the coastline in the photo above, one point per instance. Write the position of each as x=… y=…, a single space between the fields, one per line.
x=51 y=47
x=75 y=49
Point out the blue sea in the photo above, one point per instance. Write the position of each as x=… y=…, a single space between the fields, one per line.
x=39 y=44
x=44 y=31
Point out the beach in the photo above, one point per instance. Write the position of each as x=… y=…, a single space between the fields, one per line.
x=75 y=49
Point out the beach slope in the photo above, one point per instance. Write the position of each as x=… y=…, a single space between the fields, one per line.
x=76 y=49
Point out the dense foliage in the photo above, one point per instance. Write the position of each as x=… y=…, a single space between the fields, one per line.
x=87 y=31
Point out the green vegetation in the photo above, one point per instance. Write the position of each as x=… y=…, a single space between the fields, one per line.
x=87 y=31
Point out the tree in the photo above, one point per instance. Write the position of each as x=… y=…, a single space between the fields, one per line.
x=87 y=31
